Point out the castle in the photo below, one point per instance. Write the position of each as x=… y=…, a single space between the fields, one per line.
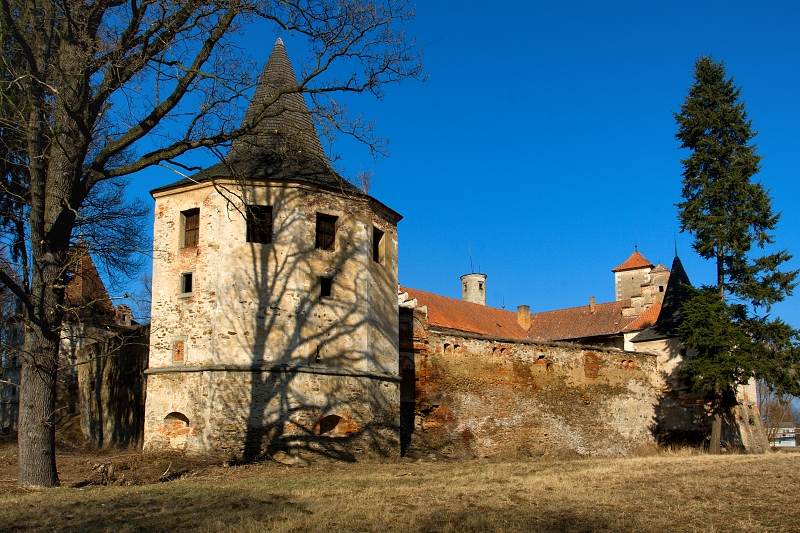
x=278 y=324
x=274 y=297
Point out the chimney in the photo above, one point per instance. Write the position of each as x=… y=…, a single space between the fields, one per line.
x=524 y=316
x=592 y=305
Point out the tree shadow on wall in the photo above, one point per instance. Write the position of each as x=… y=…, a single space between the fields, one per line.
x=683 y=417
x=316 y=372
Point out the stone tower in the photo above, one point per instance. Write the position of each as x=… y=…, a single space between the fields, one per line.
x=274 y=314
x=630 y=276
x=473 y=288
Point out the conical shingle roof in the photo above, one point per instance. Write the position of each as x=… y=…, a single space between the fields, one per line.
x=281 y=121
x=677 y=293
x=283 y=143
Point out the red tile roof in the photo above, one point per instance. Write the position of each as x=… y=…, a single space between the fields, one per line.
x=646 y=319
x=561 y=324
x=636 y=260
x=449 y=313
x=580 y=322
x=86 y=294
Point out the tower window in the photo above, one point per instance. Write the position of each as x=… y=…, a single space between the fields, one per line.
x=259 y=223
x=325 y=287
x=191 y=227
x=480 y=286
x=378 y=247
x=318 y=356
x=660 y=288
x=187 y=284
x=326 y=232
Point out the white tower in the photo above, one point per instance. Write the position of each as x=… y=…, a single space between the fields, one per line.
x=473 y=288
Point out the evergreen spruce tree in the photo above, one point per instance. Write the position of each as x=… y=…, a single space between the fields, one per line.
x=729 y=213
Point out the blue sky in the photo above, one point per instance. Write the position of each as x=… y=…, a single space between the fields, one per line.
x=543 y=139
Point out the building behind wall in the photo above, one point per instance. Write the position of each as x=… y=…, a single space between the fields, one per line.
x=91 y=325
x=274 y=299
x=12 y=368
x=597 y=380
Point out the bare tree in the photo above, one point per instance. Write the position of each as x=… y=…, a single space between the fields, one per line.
x=363 y=180
x=107 y=88
x=776 y=410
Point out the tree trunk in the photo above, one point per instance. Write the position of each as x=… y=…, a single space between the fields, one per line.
x=37 y=424
x=716 y=434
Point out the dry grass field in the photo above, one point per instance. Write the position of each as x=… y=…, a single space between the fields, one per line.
x=662 y=493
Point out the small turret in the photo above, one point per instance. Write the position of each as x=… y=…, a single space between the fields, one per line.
x=473 y=288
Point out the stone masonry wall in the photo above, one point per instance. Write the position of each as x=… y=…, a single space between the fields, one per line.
x=111 y=388
x=255 y=308
x=248 y=414
x=487 y=397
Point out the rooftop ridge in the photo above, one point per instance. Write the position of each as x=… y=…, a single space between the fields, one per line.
x=620 y=303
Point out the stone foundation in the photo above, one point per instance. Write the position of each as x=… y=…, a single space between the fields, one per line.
x=247 y=413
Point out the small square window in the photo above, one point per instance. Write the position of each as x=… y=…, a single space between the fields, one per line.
x=325 y=287
x=191 y=227
x=660 y=288
x=259 y=223
x=326 y=232
x=187 y=283
x=378 y=247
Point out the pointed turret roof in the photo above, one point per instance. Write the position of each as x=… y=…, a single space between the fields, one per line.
x=678 y=291
x=281 y=121
x=636 y=260
x=283 y=143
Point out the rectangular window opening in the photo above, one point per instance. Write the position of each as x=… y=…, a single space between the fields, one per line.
x=259 y=223
x=378 y=247
x=325 y=287
x=326 y=232
x=187 y=283
x=191 y=227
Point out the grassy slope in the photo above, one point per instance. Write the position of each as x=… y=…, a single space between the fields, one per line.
x=662 y=493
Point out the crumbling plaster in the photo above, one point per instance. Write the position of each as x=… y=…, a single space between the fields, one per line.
x=483 y=396
x=258 y=336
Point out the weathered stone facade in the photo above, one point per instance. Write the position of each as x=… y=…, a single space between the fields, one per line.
x=111 y=387
x=467 y=395
x=477 y=395
x=639 y=281
x=275 y=340
x=9 y=389
x=274 y=305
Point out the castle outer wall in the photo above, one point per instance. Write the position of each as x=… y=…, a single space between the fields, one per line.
x=470 y=395
x=483 y=396
x=280 y=345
